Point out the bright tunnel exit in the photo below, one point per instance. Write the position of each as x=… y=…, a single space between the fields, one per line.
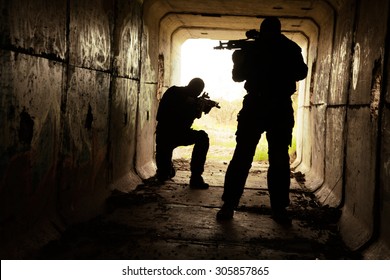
x=200 y=59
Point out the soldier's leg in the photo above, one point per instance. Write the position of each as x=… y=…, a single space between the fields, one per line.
x=278 y=177
x=238 y=169
x=164 y=151
x=247 y=138
x=236 y=174
x=200 y=140
x=199 y=153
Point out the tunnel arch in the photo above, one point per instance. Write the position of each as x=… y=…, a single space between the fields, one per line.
x=181 y=34
x=179 y=22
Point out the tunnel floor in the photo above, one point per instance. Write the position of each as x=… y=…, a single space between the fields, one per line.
x=173 y=221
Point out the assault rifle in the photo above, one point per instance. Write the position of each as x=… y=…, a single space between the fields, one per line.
x=206 y=103
x=251 y=35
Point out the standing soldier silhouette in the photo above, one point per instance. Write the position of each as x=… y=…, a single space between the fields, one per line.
x=271 y=66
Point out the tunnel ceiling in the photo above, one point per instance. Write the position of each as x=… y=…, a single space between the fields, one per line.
x=229 y=19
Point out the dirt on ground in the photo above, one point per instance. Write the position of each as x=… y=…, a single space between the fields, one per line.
x=171 y=221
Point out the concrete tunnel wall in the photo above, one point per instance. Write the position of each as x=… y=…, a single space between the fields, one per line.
x=77 y=112
x=80 y=83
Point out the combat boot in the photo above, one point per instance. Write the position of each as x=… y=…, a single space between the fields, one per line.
x=197 y=182
x=226 y=212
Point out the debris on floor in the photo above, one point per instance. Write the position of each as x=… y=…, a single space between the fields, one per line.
x=173 y=221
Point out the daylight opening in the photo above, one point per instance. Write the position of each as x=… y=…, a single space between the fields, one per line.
x=200 y=59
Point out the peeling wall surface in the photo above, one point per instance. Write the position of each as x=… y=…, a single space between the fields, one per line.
x=80 y=82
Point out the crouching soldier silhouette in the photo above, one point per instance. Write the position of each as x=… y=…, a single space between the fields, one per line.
x=178 y=109
x=271 y=67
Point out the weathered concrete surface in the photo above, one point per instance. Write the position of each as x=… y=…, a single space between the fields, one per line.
x=146 y=120
x=341 y=58
x=368 y=49
x=124 y=102
x=381 y=245
x=174 y=222
x=90 y=33
x=60 y=103
x=317 y=153
x=29 y=143
x=32 y=27
x=313 y=151
x=84 y=143
x=331 y=192
x=358 y=222
x=127 y=39
x=359 y=174
x=384 y=191
x=125 y=95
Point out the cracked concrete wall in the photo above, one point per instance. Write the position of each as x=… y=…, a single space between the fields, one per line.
x=33 y=48
x=315 y=106
x=76 y=108
x=359 y=221
x=350 y=123
x=331 y=192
